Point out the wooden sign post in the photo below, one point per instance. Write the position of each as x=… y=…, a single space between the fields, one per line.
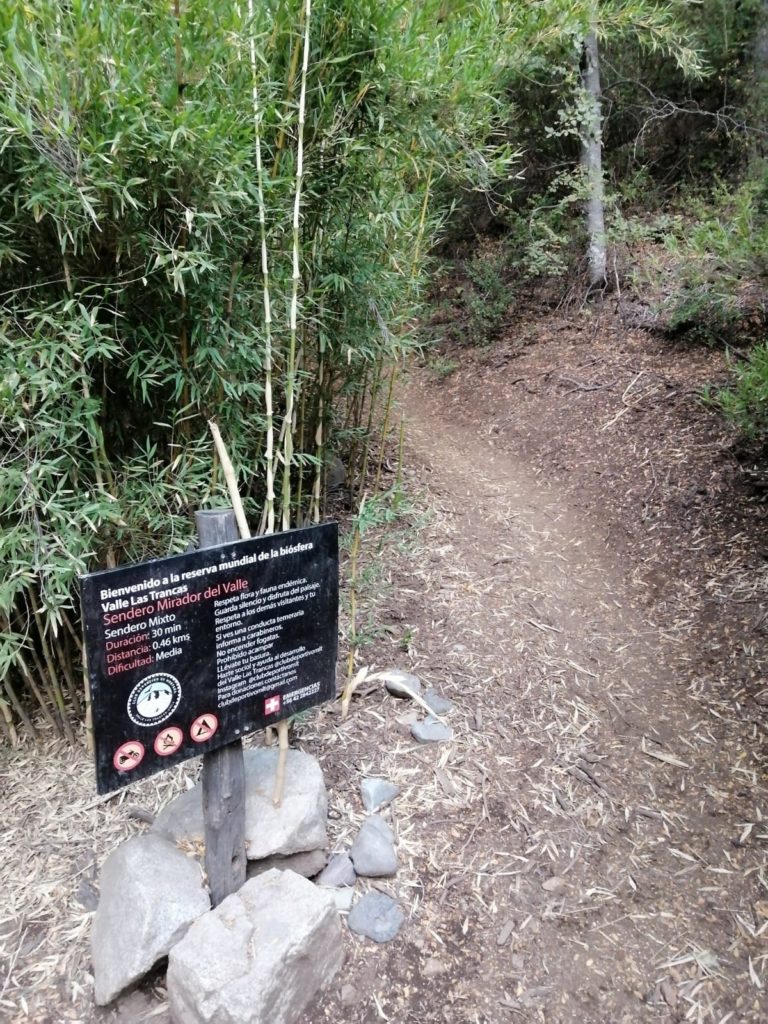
x=223 y=769
x=189 y=653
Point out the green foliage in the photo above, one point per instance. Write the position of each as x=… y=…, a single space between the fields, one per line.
x=721 y=265
x=745 y=402
x=131 y=307
x=442 y=366
x=487 y=296
x=543 y=236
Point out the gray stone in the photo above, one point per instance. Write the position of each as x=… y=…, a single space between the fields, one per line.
x=373 y=852
x=87 y=894
x=306 y=864
x=439 y=704
x=348 y=995
x=429 y=730
x=296 y=826
x=433 y=968
x=399 y=683
x=342 y=898
x=339 y=872
x=377 y=916
x=259 y=957
x=150 y=894
x=377 y=793
x=376 y=821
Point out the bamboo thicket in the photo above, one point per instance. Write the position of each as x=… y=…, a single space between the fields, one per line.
x=205 y=212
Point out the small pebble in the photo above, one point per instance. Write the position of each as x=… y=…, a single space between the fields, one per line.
x=439 y=704
x=430 y=730
x=373 y=852
x=556 y=885
x=348 y=995
x=397 y=680
x=343 y=899
x=377 y=792
x=340 y=871
x=384 y=828
x=433 y=967
x=377 y=916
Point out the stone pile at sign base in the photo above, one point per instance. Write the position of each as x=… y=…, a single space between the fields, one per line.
x=259 y=957
x=262 y=955
x=298 y=825
x=152 y=889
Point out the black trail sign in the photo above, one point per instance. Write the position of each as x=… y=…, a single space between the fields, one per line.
x=188 y=653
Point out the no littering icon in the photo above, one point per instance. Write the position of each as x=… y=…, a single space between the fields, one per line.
x=204 y=727
x=128 y=755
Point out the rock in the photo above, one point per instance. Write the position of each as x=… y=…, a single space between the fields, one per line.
x=297 y=825
x=439 y=704
x=429 y=730
x=342 y=898
x=377 y=822
x=555 y=885
x=408 y=718
x=377 y=792
x=373 y=851
x=87 y=895
x=399 y=683
x=150 y=895
x=340 y=871
x=433 y=968
x=259 y=957
x=306 y=864
x=377 y=916
x=135 y=1006
x=348 y=995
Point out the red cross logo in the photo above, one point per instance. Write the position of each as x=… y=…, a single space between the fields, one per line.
x=272 y=705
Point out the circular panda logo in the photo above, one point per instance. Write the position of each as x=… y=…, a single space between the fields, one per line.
x=154 y=699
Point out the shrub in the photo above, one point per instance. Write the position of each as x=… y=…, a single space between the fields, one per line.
x=745 y=402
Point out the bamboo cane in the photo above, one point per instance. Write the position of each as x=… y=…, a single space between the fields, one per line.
x=385 y=428
x=8 y=727
x=269 y=454
x=282 y=754
x=242 y=523
x=319 y=443
x=290 y=377
x=53 y=676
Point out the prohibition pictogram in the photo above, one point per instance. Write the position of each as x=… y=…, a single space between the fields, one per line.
x=128 y=755
x=168 y=741
x=204 y=727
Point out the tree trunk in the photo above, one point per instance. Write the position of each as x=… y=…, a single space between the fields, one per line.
x=592 y=158
x=760 y=79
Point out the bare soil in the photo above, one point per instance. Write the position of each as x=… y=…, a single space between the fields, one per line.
x=583 y=572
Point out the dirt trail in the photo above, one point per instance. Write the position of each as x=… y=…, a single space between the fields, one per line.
x=582 y=852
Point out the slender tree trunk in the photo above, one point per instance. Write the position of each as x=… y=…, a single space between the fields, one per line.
x=592 y=158
x=760 y=76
